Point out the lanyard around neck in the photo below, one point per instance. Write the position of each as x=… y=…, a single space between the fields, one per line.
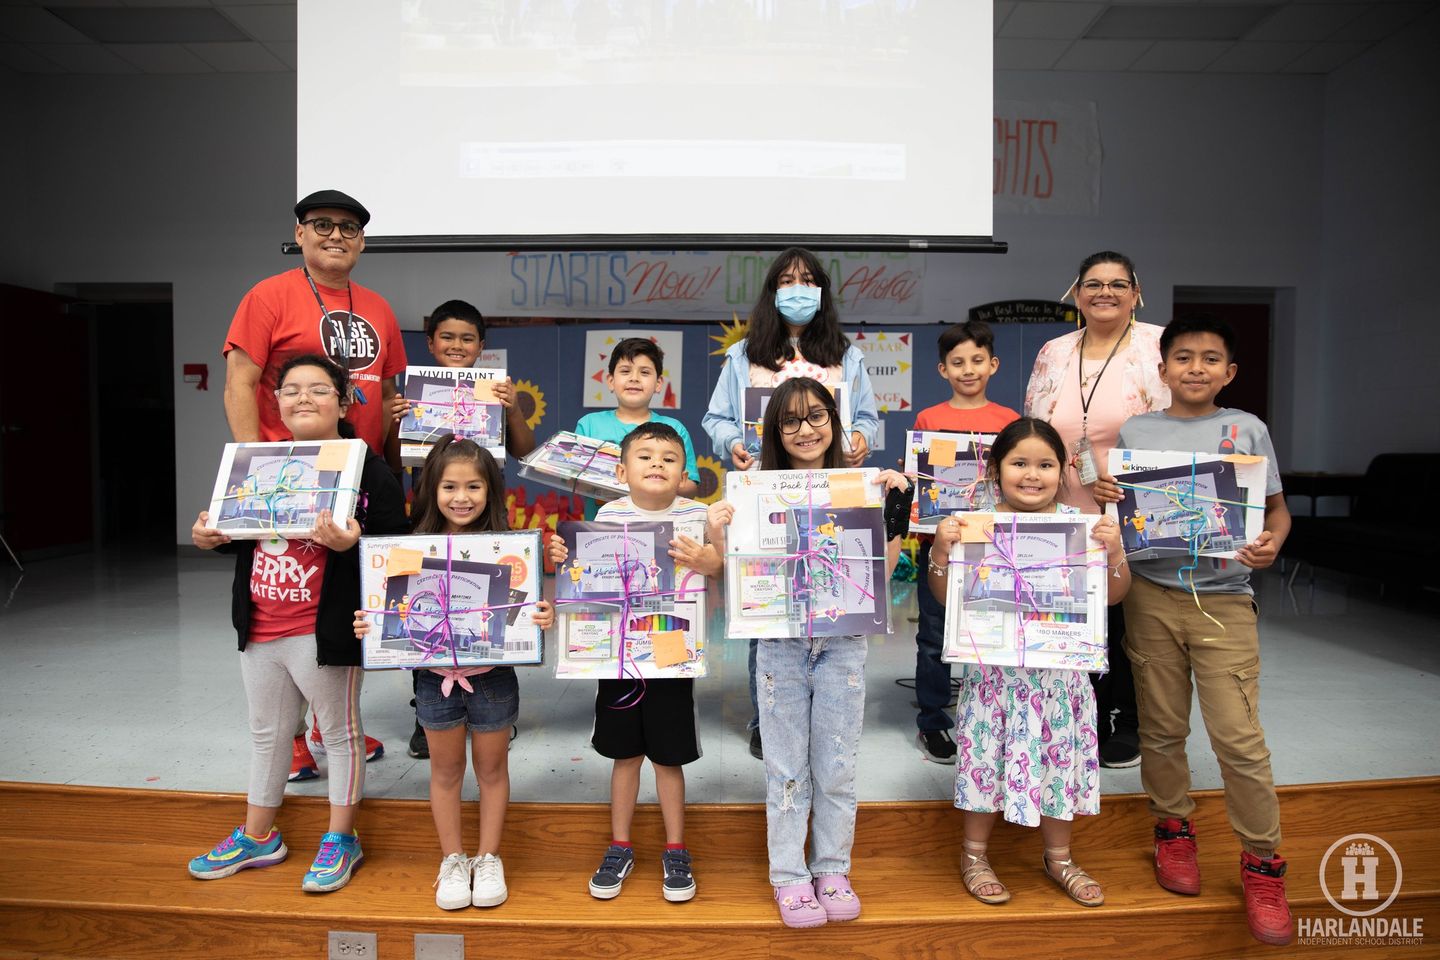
x=1080 y=367
x=325 y=314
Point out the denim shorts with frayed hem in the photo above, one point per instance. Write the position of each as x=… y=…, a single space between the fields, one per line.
x=494 y=705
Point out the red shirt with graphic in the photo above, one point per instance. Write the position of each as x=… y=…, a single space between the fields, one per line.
x=279 y=319
x=285 y=583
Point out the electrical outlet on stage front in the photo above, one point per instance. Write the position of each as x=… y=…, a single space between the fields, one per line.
x=347 y=945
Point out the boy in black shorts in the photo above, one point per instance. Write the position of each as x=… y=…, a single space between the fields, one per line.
x=661 y=723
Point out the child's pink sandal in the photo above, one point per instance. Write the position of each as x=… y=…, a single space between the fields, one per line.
x=836 y=897
x=798 y=906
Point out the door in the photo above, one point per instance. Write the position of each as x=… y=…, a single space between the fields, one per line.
x=45 y=423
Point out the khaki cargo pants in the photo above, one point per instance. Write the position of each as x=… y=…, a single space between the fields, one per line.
x=1169 y=641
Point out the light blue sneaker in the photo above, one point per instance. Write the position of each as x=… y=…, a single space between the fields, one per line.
x=238 y=851
x=339 y=855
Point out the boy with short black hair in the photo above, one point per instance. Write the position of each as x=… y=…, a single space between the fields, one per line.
x=660 y=724
x=967 y=362
x=1171 y=636
x=455 y=334
x=637 y=372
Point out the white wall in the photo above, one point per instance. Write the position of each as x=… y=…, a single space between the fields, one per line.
x=1208 y=181
x=1381 y=205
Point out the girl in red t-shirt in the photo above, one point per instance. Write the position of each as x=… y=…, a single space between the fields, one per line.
x=292 y=614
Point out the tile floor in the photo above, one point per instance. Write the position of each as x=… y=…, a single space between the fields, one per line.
x=122 y=670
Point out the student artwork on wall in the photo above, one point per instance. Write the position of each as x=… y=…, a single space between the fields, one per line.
x=624 y=608
x=1027 y=590
x=458 y=400
x=279 y=489
x=1178 y=503
x=599 y=344
x=576 y=464
x=805 y=555
x=949 y=472
x=462 y=600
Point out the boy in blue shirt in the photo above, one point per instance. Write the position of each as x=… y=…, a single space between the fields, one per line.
x=637 y=368
x=1171 y=642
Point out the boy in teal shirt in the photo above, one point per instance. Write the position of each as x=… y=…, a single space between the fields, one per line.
x=637 y=368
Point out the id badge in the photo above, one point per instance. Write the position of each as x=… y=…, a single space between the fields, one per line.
x=1085 y=461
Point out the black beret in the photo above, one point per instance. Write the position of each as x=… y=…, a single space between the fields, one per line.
x=335 y=199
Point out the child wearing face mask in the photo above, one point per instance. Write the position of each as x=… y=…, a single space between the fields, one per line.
x=794 y=331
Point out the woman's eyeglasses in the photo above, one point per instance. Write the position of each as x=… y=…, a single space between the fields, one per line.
x=816 y=418
x=1093 y=287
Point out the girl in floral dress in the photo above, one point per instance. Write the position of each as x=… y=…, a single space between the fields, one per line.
x=1026 y=737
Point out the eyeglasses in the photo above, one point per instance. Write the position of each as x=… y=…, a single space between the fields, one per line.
x=324 y=226
x=1093 y=287
x=319 y=391
x=816 y=418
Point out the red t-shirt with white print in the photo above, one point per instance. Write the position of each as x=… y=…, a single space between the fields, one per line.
x=285 y=582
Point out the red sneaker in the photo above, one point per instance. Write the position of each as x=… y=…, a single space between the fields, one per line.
x=374 y=749
x=1176 y=868
x=1265 y=905
x=302 y=765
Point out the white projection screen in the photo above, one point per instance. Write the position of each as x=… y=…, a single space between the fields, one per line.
x=708 y=123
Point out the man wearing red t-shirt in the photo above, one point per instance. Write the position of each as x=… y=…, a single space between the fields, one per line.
x=314 y=309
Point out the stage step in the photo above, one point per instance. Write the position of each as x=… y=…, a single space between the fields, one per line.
x=93 y=872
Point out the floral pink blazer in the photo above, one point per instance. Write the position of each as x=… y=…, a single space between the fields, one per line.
x=1143 y=390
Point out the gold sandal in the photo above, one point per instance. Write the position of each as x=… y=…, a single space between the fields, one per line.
x=1072 y=880
x=974 y=875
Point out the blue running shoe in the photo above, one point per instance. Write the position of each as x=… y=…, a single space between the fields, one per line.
x=339 y=855
x=238 y=851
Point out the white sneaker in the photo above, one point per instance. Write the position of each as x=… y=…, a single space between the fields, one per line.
x=489 y=881
x=452 y=886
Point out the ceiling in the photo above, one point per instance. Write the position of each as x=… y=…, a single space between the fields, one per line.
x=1137 y=36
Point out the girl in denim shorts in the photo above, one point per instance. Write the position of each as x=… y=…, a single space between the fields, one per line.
x=461 y=490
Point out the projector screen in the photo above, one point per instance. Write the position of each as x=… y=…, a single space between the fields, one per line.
x=661 y=119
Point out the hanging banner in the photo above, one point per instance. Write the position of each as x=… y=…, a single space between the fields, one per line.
x=889 y=356
x=1047 y=158
x=1026 y=311
x=698 y=284
x=600 y=343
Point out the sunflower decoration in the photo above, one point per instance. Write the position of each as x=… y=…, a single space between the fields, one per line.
x=712 y=480
x=730 y=334
x=531 y=401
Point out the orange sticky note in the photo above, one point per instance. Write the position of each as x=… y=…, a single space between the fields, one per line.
x=332 y=456
x=977 y=528
x=485 y=391
x=1244 y=458
x=403 y=562
x=847 y=490
x=668 y=646
x=942 y=452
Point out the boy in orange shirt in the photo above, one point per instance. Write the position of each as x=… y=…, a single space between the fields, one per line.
x=967 y=362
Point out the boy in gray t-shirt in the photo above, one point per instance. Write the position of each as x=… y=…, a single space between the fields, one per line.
x=1178 y=632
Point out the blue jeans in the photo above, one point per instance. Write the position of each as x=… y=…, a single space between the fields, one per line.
x=932 y=675
x=812 y=705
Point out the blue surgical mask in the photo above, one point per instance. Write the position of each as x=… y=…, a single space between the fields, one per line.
x=797 y=304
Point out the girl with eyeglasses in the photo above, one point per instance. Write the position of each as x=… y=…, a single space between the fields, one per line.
x=292 y=607
x=1085 y=384
x=814 y=702
x=794 y=331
